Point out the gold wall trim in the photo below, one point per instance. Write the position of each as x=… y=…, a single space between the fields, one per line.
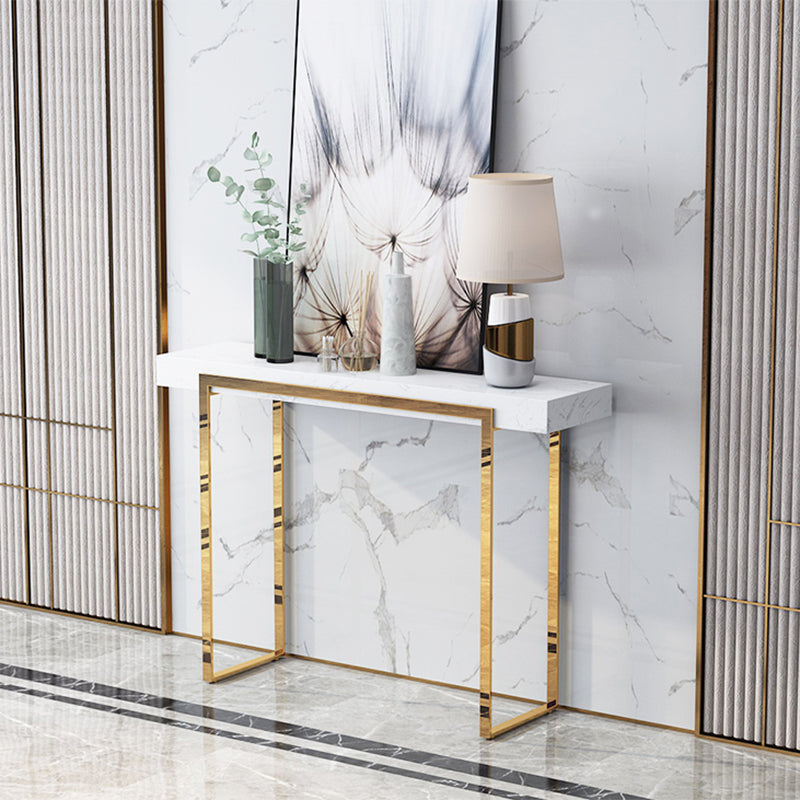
x=45 y=316
x=784 y=522
x=711 y=105
x=773 y=339
x=77 y=496
x=766 y=606
x=160 y=207
x=54 y=421
x=112 y=339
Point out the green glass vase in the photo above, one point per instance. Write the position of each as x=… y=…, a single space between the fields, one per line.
x=273 y=311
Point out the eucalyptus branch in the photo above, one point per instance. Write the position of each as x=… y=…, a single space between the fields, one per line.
x=280 y=239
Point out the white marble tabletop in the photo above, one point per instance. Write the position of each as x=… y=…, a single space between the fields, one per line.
x=547 y=405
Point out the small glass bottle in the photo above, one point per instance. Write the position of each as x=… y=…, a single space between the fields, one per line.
x=327 y=359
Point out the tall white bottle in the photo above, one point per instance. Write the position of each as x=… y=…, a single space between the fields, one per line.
x=397 y=336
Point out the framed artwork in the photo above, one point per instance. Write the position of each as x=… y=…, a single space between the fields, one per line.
x=393 y=111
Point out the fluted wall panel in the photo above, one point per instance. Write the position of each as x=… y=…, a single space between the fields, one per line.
x=40 y=547
x=734 y=668
x=34 y=309
x=11 y=466
x=783 y=678
x=38 y=460
x=786 y=436
x=139 y=571
x=738 y=447
x=784 y=586
x=78 y=308
x=74 y=146
x=754 y=365
x=10 y=372
x=13 y=564
x=81 y=461
x=132 y=204
x=83 y=556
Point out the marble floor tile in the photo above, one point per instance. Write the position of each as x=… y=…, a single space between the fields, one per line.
x=90 y=710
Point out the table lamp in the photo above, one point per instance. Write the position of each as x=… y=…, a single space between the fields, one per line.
x=510 y=235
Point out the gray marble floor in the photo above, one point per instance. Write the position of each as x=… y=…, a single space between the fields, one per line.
x=92 y=710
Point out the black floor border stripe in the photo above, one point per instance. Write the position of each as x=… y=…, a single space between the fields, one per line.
x=521 y=779
x=271 y=743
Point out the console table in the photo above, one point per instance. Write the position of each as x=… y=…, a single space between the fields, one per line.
x=548 y=406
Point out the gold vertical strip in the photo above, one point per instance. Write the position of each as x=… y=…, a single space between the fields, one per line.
x=159 y=149
x=21 y=299
x=205 y=531
x=279 y=500
x=773 y=337
x=111 y=311
x=487 y=576
x=711 y=106
x=45 y=297
x=553 y=568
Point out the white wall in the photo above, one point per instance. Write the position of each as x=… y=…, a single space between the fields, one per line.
x=609 y=97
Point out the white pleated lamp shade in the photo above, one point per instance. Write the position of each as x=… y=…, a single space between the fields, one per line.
x=509 y=232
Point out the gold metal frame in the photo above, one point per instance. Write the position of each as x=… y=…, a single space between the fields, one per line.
x=485 y=417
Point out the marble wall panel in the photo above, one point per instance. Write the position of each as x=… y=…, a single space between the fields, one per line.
x=609 y=97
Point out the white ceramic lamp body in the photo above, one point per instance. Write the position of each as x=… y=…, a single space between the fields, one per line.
x=500 y=370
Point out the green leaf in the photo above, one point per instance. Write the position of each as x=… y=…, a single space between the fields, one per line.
x=213 y=174
x=252 y=253
x=263 y=184
x=239 y=191
x=270 y=233
x=267 y=161
x=296 y=247
x=254 y=139
x=232 y=189
x=251 y=154
x=249 y=237
x=228 y=181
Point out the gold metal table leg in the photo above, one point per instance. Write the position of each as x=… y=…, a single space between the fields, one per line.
x=278 y=527
x=487 y=577
x=205 y=540
x=487 y=730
